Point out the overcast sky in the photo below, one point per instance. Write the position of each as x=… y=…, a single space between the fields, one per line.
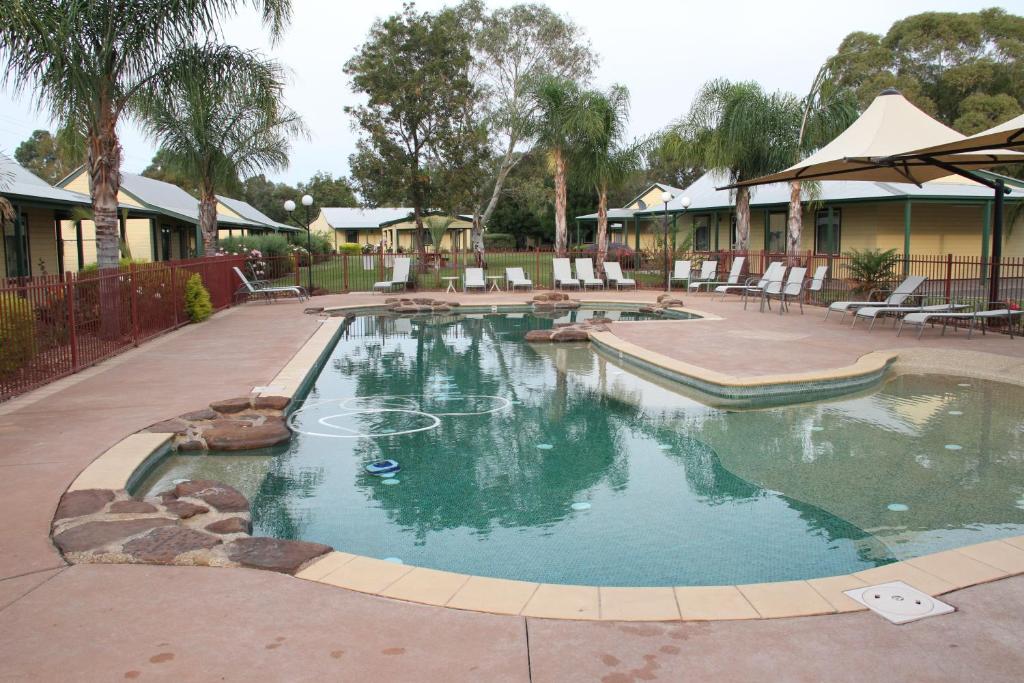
x=661 y=51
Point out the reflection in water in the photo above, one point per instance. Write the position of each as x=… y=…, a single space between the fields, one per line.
x=678 y=493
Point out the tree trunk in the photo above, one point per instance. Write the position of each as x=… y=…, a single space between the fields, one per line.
x=507 y=164
x=421 y=242
x=476 y=236
x=742 y=219
x=794 y=224
x=103 y=162
x=561 y=230
x=208 y=220
x=602 y=228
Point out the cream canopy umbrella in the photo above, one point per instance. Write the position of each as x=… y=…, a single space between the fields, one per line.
x=881 y=145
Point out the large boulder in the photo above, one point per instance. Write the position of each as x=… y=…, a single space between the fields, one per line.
x=271 y=402
x=220 y=497
x=231 y=525
x=85 y=502
x=570 y=334
x=231 y=405
x=163 y=545
x=172 y=426
x=539 y=335
x=93 y=535
x=274 y=554
x=243 y=436
x=184 y=509
x=560 y=305
x=199 y=415
x=135 y=507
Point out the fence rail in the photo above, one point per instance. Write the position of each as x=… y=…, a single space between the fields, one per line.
x=53 y=326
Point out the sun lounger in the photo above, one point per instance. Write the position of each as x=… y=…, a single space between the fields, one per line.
x=474 y=279
x=263 y=288
x=981 y=317
x=516 y=278
x=787 y=291
x=563 y=274
x=733 y=279
x=613 y=271
x=708 y=272
x=873 y=313
x=754 y=285
x=897 y=297
x=585 y=274
x=399 y=276
x=680 y=271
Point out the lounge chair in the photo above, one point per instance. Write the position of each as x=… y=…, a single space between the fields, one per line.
x=266 y=290
x=473 y=278
x=733 y=279
x=613 y=271
x=873 y=313
x=399 y=276
x=681 y=271
x=790 y=290
x=563 y=274
x=817 y=281
x=708 y=271
x=754 y=286
x=981 y=317
x=515 y=277
x=897 y=297
x=585 y=274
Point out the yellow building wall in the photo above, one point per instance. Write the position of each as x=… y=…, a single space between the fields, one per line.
x=80 y=184
x=652 y=199
x=224 y=210
x=42 y=241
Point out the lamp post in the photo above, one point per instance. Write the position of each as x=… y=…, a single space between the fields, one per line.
x=289 y=206
x=666 y=197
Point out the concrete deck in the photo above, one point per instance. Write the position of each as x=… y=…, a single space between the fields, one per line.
x=157 y=623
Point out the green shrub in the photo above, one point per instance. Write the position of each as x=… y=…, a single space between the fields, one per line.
x=17 y=333
x=499 y=240
x=350 y=248
x=93 y=268
x=197 y=299
x=872 y=269
x=270 y=245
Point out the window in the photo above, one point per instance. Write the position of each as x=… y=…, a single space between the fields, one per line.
x=18 y=257
x=775 y=233
x=733 y=237
x=351 y=236
x=826 y=237
x=702 y=233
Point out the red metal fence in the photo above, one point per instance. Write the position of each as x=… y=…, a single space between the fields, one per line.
x=53 y=326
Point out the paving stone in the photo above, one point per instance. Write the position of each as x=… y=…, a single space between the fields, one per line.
x=85 y=502
x=241 y=437
x=274 y=554
x=539 y=335
x=191 y=445
x=231 y=525
x=92 y=535
x=183 y=509
x=130 y=506
x=172 y=426
x=196 y=415
x=219 y=496
x=231 y=405
x=271 y=402
x=570 y=334
x=164 y=544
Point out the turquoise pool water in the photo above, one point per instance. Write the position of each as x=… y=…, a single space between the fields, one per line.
x=553 y=463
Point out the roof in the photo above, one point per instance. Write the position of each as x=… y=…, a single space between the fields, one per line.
x=16 y=181
x=251 y=213
x=705 y=197
x=661 y=186
x=613 y=214
x=347 y=218
x=1008 y=134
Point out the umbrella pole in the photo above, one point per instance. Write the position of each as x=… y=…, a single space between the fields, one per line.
x=997 y=240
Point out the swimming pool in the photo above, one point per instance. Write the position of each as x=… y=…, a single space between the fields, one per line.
x=552 y=463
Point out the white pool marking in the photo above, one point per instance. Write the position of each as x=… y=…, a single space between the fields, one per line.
x=956 y=412
x=963 y=385
x=952 y=447
x=665 y=446
x=391 y=482
x=897 y=507
x=394 y=560
x=817 y=429
x=387 y=475
x=580 y=506
x=545 y=446
x=435 y=422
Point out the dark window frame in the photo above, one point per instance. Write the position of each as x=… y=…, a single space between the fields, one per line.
x=702 y=243
x=837 y=227
x=768 y=232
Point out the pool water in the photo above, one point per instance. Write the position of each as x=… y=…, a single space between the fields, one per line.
x=554 y=463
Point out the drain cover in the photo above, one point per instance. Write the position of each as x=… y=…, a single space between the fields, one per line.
x=898 y=602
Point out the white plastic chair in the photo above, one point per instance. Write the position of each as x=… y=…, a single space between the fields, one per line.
x=733 y=279
x=474 y=279
x=585 y=274
x=786 y=291
x=266 y=290
x=399 y=276
x=613 y=271
x=563 y=274
x=515 y=277
x=680 y=271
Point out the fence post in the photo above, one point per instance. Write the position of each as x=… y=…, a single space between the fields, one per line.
x=298 y=268
x=174 y=292
x=536 y=270
x=69 y=298
x=949 y=275
x=344 y=272
x=134 y=299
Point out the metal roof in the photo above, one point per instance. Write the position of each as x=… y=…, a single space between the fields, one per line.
x=168 y=199
x=250 y=212
x=613 y=214
x=16 y=181
x=347 y=218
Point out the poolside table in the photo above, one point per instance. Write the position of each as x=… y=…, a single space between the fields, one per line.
x=495 y=279
x=451 y=283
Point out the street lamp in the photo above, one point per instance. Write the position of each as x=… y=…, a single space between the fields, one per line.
x=289 y=206
x=666 y=197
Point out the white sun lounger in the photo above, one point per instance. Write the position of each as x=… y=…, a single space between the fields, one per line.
x=474 y=279
x=516 y=278
x=266 y=290
x=786 y=291
x=708 y=271
x=563 y=274
x=873 y=313
x=753 y=285
x=680 y=271
x=897 y=297
x=733 y=279
x=613 y=271
x=922 y=319
x=399 y=276
x=585 y=274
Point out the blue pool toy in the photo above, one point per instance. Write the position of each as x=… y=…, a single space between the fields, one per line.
x=382 y=467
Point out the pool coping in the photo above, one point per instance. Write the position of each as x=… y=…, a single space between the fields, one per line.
x=121 y=466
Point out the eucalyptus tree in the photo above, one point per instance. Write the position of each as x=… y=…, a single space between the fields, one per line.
x=563 y=118
x=601 y=156
x=87 y=62
x=217 y=114
x=737 y=129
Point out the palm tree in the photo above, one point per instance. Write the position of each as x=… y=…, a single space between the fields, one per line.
x=741 y=131
x=602 y=158
x=826 y=111
x=222 y=121
x=88 y=62
x=561 y=117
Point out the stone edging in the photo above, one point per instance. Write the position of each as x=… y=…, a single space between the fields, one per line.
x=937 y=573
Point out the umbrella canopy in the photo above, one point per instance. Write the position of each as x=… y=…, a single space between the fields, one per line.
x=1009 y=135
x=872 y=148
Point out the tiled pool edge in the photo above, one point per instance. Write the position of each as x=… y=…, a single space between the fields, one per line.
x=936 y=574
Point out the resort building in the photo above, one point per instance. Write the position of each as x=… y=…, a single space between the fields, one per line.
x=947 y=216
x=244 y=211
x=390 y=228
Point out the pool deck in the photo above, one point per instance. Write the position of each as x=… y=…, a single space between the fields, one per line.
x=154 y=623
